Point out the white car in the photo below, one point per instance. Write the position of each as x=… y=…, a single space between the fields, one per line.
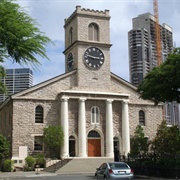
x=114 y=171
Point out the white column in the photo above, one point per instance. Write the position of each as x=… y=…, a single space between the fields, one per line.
x=65 y=127
x=109 y=129
x=82 y=128
x=125 y=128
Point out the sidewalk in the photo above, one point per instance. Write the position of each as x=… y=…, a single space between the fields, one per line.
x=10 y=175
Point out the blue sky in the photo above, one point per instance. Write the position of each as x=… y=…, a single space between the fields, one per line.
x=50 y=15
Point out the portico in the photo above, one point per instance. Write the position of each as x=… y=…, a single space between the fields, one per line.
x=106 y=98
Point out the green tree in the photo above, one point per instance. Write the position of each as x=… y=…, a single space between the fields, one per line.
x=139 y=143
x=30 y=161
x=53 y=136
x=4 y=147
x=162 y=84
x=20 y=39
x=167 y=140
x=3 y=88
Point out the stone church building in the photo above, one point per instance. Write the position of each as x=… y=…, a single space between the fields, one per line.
x=97 y=109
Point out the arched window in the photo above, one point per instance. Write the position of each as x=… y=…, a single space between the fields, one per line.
x=70 y=36
x=93 y=134
x=95 y=112
x=141 y=118
x=39 y=114
x=93 y=32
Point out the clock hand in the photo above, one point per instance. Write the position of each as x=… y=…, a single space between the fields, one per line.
x=96 y=57
x=93 y=57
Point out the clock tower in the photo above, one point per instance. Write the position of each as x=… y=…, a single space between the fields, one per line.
x=87 y=47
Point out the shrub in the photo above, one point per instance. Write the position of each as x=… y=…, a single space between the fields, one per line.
x=4 y=148
x=40 y=160
x=30 y=161
x=7 y=165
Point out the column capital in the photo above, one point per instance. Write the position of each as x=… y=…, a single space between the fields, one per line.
x=64 y=98
x=82 y=99
x=125 y=101
x=109 y=100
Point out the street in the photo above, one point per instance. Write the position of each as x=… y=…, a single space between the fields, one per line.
x=61 y=177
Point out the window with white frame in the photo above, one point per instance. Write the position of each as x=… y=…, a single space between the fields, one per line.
x=95 y=113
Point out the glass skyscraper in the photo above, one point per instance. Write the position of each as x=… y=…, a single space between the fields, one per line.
x=16 y=80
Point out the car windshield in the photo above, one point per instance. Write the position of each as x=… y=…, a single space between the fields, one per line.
x=118 y=166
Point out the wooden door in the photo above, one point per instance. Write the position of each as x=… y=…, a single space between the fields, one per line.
x=94 y=147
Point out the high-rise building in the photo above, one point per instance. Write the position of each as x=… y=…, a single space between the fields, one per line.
x=143 y=55
x=142 y=46
x=16 y=80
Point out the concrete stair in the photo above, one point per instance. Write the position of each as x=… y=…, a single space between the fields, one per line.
x=54 y=165
x=83 y=165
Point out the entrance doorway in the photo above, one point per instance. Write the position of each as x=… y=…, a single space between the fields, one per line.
x=94 y=144
x=116 y=143
x=72 y=148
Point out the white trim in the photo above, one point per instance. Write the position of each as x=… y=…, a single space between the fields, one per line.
x=94 y=92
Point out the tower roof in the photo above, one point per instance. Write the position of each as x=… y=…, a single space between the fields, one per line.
x=86 y=12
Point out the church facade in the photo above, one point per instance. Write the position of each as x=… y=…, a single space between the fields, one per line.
x=97 y=109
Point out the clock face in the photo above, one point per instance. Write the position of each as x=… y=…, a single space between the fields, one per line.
x=94 y=58
x=70 y=61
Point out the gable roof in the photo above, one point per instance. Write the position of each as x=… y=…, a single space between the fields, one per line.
x=124 y=81
x=60 y=77
x=38 y=86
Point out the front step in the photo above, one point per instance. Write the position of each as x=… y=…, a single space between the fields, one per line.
x=57 y=165
x=83 y=165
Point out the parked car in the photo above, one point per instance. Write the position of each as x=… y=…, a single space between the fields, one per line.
x=114 y=171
